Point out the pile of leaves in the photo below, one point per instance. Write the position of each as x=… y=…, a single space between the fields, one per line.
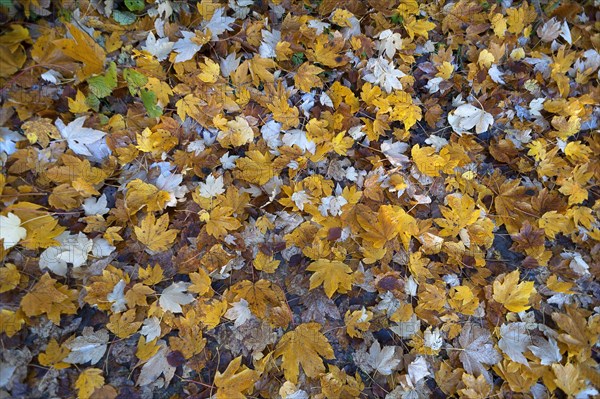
x=299 y=199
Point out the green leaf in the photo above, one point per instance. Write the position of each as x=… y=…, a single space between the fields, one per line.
x=134 y=5
x=93 y=102
x=150 y=102
x=135 y=80
x=123 y=17
x=102 y=86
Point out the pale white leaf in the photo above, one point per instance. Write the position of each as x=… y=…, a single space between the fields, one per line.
x=159 y=48
x=239 y=312
x=514 y=341
x=467 y=117
x=151 y=328
x=546 y=350
x=52 y=76
x=212 y=187
x=174 y=296
x=417 y=370
x=11 y=231
x=229 y=64
x=550 y=30
x=298 y=137
x=185 y=47
x=79 y=138
x=92 y=206
x=117 y=297
x=89 y=347
x=496 y=74
x=478 y=349
x=384 y=361
x=155 y=366
x=218 y=23
x=269 y=42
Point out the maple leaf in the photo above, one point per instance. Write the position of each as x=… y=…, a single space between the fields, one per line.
x=123 y=325
x=460 y=214
x=512 y=294
x=235 y=381
x=174 y=296
x=88 y=381
x=256 y=167
x=382 y=360
x=162 y=47
x=383 y=73
x=514 y=340
x=306 y=77
x=9 y=277
x=11 y=231
x=220 y=221
x=155 y=366
x=49 y=297
x=333 y=275
x=82 y=47
x=154 y=233
x=304 y=347
x=80 y=139
x=89 y=347
x=239 y=313
x=478 y=350
x=467 y=117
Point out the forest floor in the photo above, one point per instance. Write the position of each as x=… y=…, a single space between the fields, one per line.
x=299 y=199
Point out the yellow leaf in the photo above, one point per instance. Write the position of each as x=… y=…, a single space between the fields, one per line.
x=11 y=322
x=88 y=381
x=427 y=161
x=512 y=294
x=263 y=297
x=145 y=350
x=568 y=378
x=151 y=275
x=154 y=233
x=54 y=355
x=304 y=347
x=463 y=300
x=259 y=70
x=51 y=298
x=123 y=325
x=255 y=168
x=221 y=221
x=445 y=70
x=559 y=286
x=333 y=275
x=141 y=194
x=284 y=113
x=357 y=322
x=265 y=263
x=499 y=25
x=237 y=134
x=306 y=77
x=155 y=142
x=341 y=17
x=418 y=27
x=136 y=295
x=235 y=381
x=328 y=51
x=84 y=49
x=78 y=105
x=486 y=59
x=9 y=277
x=189 y=106
x=200 y=282
x=459 y=214
x=210 y=71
